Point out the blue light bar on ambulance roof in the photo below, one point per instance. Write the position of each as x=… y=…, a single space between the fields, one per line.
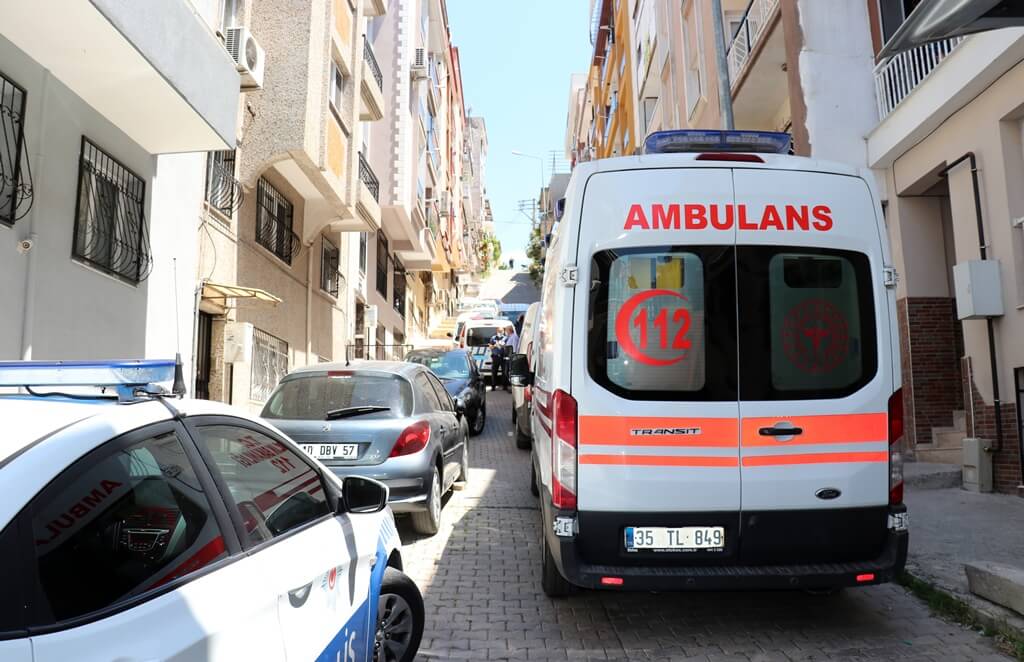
x=701 y=140
x=85 y=373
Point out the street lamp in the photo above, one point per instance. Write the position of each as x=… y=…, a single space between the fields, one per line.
x=532 y=156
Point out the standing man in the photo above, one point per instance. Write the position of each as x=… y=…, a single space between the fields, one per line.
x=497 y=348
x=511 y=347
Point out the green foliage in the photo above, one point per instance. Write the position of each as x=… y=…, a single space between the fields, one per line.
x=490 y=253
x=535 y=251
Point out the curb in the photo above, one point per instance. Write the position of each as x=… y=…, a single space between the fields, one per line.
x=994 y=621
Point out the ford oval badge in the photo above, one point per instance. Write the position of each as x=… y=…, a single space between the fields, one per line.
x=827 y=493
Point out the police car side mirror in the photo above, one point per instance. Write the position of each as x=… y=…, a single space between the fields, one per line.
x=362 y=496
x=519 y=371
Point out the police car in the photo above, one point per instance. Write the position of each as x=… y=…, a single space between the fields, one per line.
x=716 y=399
x=136 y=526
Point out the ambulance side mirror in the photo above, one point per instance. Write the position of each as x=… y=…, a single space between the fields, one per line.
x=519 y=371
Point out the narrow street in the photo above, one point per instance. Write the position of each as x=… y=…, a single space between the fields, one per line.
x=484 y=602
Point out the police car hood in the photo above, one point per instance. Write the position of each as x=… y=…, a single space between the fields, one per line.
x=25 y=420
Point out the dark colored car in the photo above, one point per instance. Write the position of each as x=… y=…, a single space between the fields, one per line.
x=387 y=420
x=461 y=378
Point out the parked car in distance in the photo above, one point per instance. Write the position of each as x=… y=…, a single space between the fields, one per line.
x=387 y=420
x=140 y=526
x=522 y=395
x=461 y=378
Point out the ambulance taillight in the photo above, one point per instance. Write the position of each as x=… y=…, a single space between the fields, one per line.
x=565 y=426
x=896 y=448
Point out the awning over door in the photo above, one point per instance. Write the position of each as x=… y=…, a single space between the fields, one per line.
x=221 y=293
x=933 y=20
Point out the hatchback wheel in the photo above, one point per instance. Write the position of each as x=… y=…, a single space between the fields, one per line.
x=464 y=470
x=428 y=522
x=400 y=619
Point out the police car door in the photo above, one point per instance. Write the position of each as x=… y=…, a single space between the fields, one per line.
x=814 y=376
x=654 y=367
x=318 y=564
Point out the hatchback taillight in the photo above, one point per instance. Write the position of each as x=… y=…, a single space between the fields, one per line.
x=896 y=448
x=563 y=451
x=412 y=440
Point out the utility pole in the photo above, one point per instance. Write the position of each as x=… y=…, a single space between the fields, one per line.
x=724 y=85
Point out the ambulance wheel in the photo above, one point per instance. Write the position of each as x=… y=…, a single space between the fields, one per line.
x=428 y=522
x=552 y=581
x=534 y=490
x=400 y=619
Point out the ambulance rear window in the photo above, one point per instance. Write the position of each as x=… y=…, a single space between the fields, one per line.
x=807 y=323
x=662 y=323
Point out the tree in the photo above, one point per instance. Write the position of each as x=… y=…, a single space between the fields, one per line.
x=535 y=251
x=490 y=253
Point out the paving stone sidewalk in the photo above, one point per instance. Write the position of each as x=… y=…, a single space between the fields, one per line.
x=480 y=582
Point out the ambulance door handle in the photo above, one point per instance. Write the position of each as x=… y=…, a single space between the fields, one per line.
x=780 y=431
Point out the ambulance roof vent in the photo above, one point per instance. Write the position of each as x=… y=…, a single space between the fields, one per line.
x=701 y=140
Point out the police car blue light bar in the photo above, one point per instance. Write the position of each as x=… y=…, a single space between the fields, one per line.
x=86 y=373
x=701 y=140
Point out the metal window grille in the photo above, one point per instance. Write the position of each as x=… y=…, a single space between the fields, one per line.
x=223 y=191
x=368 y=177
x=329 y=275
x=382 y=265
x=362 y=252
x=110 y=226
x=15 y=173
x=399 y=289
x=274 y=220
x=269 y=364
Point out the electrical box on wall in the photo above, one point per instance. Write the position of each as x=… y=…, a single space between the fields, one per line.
x=979 y=289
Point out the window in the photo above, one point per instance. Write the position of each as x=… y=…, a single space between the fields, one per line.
x=330 y=257
x=309 y=396
x=223 y=192
x=110 y=226
x=427 y=392
x=807 y=323
x=272 y=486
x=362 y=253
x=274 y=220
x=382 y=264
x=442 y=394
x=694 y=74
x=339 y=85
x=269 y=364
x=13 y=612
x=127 y=518
x=658 y=318
x=448 y=365
x=15 y=174
x=399 y=288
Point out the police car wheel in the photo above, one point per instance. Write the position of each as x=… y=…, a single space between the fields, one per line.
x=428 y=522
x=400 y=619
x=552 y=581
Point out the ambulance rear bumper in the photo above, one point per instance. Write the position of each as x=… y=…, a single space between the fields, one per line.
x=887 y=567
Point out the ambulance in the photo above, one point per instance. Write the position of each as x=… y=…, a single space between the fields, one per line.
x=716 y=395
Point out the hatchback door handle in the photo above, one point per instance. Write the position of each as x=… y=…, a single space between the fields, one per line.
x=780 y=431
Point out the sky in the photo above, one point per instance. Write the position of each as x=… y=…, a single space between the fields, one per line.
x=517 y=58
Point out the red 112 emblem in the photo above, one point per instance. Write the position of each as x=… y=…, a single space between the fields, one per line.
x=669 y=326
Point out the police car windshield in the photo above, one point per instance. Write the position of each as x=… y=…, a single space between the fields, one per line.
x=449 y=365
x=481 y=335
x=314 y=396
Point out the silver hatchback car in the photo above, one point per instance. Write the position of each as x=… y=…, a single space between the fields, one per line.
x=390 y=421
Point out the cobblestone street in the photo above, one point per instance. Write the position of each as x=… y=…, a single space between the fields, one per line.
x=484 y=602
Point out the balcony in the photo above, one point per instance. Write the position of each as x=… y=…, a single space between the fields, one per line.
x=368 y=201
x=757 y=67
x=371 y=87
x=897 y=78
x=139 y=69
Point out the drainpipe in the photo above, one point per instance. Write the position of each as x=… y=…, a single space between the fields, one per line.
x=28 y=310
x=309 y=304
x=988 y=321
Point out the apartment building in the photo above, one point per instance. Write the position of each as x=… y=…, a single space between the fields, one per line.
x=292 y=206
x=949 y=150
x=415 y=152
x=105 y=117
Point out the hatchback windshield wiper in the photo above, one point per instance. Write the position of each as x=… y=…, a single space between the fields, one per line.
x=349 y=412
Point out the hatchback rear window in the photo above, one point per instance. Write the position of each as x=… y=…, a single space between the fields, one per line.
x=310 y=396
x=662 y=323
x=807 y=323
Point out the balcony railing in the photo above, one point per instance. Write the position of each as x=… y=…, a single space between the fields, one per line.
x=371 y=61
x=756 y=19
x=367 y=177
x=897 y=78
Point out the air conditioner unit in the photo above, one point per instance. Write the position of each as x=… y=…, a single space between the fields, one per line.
x=250 y=59
x=419 y=65
x=238 y=342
